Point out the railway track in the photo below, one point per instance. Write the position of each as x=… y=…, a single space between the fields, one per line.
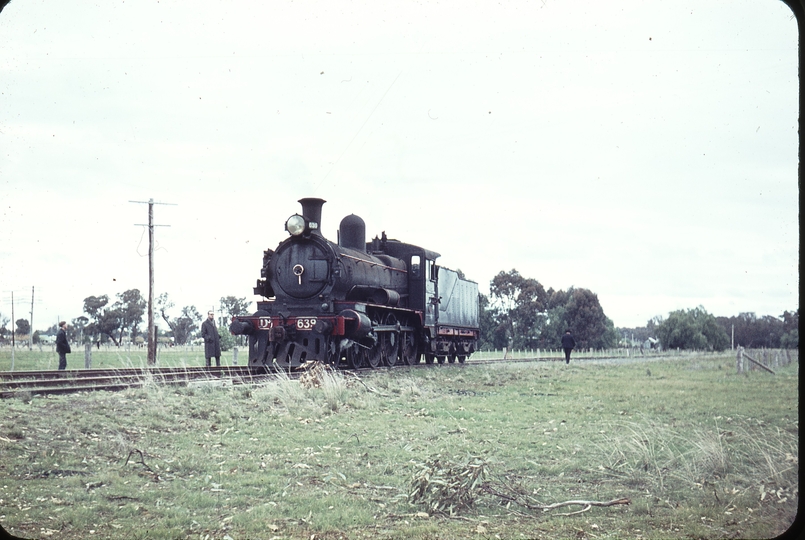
x=29 y=383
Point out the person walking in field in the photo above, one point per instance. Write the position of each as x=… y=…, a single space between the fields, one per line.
x=568 y=343
x=62 y=345
x=212 y=341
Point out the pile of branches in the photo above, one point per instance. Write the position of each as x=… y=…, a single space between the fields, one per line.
x=446 y=487
x=449 y=487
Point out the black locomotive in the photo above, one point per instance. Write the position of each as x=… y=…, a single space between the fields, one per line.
x=356 y=303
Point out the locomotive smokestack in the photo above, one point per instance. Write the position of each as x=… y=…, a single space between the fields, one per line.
x=311 y=211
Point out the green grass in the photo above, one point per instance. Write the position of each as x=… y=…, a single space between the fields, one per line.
x=46 y=358
x=700 y=451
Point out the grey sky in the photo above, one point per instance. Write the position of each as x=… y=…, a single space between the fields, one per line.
x=644 y=150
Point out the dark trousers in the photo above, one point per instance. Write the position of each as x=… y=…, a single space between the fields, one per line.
x=217 y=361
x=567 y=355
x=62 y=360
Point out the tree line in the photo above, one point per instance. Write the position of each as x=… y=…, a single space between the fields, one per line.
x=123 y=320
x=697 y=329
x=519 y=313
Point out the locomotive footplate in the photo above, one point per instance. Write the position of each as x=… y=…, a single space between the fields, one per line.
x=335 y=325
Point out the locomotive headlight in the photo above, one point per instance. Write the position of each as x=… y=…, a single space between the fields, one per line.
x=295 y=225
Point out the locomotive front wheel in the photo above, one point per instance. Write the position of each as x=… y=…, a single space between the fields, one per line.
x=356 y=356
x=461 y=359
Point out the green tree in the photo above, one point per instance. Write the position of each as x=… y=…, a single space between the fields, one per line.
x=692 y=329
x=488 y=325
x=23 y=327
x=578 y=310
x=227 y=339
x=131 y=306
x=750 y=331
x=234 y=306
x=76 y=330
x=790 y=337
x=183 y=326
x=3 y=330
x=106 y=320
x=520 y=305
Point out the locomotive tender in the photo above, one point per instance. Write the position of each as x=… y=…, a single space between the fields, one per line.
x=356 y=303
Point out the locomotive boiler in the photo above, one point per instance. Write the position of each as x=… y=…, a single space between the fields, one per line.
x=356 y=303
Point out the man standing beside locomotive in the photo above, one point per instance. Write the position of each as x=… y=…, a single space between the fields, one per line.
x=62 y=345
x=568 y=343
x=212 y=341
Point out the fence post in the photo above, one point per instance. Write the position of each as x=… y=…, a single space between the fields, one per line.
x=234 y=356
x=87 y=355
x=739 y=361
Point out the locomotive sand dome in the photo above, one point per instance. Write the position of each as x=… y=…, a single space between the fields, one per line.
x=356 y=303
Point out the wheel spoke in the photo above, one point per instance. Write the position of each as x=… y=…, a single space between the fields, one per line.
x=356 y=356
x=374 y=356
x=390 y=341
x=408 y=350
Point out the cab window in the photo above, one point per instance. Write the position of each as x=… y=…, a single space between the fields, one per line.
x=415 y=268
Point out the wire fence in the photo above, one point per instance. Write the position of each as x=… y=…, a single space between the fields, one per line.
x=765 y=359
x=770 y=356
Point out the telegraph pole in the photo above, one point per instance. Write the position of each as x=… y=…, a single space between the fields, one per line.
x=31 y=339
x=13 y=332
x=152 y=334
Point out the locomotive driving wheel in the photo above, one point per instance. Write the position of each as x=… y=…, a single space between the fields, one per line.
x=374 y=354
x=408 y=352
x=390 y=342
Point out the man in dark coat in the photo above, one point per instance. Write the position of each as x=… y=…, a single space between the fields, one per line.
x=212 y=341
x=568 y=343
x=62 y=345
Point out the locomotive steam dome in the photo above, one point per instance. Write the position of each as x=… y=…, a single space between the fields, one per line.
x=352 y=233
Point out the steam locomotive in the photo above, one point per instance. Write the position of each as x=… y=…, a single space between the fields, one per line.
x=356 y=303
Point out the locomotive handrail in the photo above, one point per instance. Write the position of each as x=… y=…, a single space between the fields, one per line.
x=393 y=328
x=373 y=263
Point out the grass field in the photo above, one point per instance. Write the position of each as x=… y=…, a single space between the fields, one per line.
x=445 y=452
x=45 y=357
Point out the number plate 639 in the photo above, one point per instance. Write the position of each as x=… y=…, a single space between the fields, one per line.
x=305 y=323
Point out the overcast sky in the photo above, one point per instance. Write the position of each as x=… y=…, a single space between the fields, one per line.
x=645 y=150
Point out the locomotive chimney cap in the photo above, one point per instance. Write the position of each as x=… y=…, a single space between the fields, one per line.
x=310 y=220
